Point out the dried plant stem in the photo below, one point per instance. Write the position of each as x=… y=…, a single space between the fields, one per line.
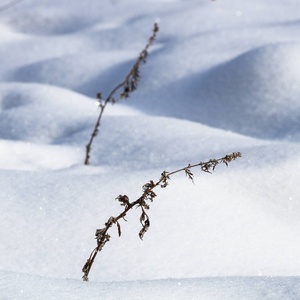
x=148 y=195
x=129 y=85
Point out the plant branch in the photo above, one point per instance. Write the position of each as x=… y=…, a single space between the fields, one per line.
x=129 y=85
x=148 y=195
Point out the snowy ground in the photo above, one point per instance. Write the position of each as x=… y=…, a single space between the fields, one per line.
x=222 y=76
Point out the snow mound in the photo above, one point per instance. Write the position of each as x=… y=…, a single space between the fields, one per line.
x=145 y=142
x=15 y=155
x=40 y=113
x=257 y=93
x=232 y=223
x=36 y=114
x=45 y=114
x=83 y=73
x=218 y=64
x=23 y=286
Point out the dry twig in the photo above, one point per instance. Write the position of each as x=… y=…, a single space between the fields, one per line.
x=129 y=85
x=143 y=202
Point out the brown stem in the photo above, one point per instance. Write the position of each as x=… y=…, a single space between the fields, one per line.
x=129 y=85
x=87 y=267
x=103 y=237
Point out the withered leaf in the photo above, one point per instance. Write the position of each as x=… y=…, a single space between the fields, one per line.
x=124 y=200
x=110 y=222
x=189 y=173
x=142 y=218
x=100 y=232
x=149 y=185
x=164 y=179
x=119 y=228
x=144 y=229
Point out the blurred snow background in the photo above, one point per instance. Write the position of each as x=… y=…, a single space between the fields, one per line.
x=222 y=76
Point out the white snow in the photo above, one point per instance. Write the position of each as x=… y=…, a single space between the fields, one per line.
x=222 y=76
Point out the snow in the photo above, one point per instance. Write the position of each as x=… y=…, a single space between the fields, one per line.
x=227 y=288
x=222 y=76
x=259 y=87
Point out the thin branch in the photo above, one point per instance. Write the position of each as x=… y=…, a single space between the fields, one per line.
x=129 y=85
x=148 y=195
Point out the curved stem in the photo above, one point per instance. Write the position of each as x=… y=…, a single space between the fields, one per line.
x=129 y=85
x=103 y=237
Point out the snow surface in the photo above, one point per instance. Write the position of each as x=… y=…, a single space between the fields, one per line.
x=222 y=76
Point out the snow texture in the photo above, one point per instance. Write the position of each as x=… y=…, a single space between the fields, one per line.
x=222 y=76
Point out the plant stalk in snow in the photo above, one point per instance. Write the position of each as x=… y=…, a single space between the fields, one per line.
x=129 y=85
x=143 y=202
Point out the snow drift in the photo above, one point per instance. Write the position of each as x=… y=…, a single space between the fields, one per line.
x=255 y=94
x=221 y=77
